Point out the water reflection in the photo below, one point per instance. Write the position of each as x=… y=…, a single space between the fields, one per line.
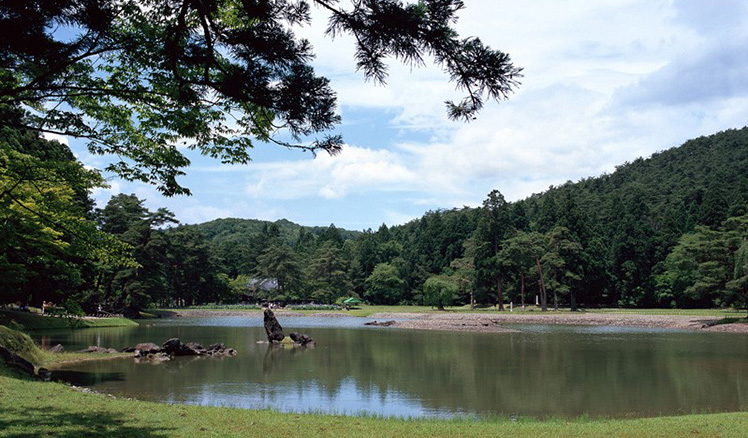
x=543 y=371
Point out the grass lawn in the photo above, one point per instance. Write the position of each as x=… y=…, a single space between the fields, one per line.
x=35 y=409
x=35 y=321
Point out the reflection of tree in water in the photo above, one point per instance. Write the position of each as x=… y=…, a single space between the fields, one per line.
x=530 y=373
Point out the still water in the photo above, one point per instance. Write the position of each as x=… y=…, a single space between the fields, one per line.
x=539 y=371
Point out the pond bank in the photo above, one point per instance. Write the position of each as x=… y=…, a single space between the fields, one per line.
x=494 y=322
x=30 y=408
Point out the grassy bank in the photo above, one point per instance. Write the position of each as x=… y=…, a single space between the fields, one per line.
x=34 y=321
x=367 y=310
x=21 y=344
x=50 y=409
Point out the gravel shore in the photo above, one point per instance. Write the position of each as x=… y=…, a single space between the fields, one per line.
x=494 y=322
x=475 y=322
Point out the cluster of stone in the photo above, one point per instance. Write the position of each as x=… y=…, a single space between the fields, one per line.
x=275 y=334
x=175 y=347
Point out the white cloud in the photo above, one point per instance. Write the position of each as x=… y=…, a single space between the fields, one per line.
x=355 y=169
x=56 y=137
x=605 y=82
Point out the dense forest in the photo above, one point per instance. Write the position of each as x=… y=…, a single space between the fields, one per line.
x=668 y=231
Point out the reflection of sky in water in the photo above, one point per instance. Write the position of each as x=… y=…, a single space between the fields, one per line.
x=542 y=370
x=347 y=399
x=257 y=321
x=588 y=329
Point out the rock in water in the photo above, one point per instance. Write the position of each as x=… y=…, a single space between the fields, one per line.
x=175 y=347
x=273 y=327
x=302 y=339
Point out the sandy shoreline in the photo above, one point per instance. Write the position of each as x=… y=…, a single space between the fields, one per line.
x=474 y=322
x=495 y=322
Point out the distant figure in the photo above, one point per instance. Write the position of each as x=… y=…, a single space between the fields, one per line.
x=44 y=307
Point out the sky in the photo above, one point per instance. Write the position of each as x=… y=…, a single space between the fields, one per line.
x=605 y=82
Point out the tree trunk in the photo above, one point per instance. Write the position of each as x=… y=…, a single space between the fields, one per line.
x=501 y=296
x=522 y=289
x=573 y=303
x=555 y=291
x=543 y=294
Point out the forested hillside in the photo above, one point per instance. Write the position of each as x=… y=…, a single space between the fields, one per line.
x=668 y=231
x=613 y=240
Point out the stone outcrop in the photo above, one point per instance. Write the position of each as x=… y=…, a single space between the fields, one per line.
x=15 y=361
x=272 y=327
x=301 y=340
x=175 y=347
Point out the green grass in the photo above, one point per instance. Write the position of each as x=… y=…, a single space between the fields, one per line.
x=21 y=344
x=367 y=310
x=35 y=321
x=29 y=408
x=674 y=312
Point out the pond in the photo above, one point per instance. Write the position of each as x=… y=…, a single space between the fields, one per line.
x=538 y=371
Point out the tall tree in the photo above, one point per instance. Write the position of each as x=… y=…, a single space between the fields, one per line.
x=562 y=261
x=384 y=285
x=128 y=220
x=281 y=263
x=327 y=273
x=494 y=225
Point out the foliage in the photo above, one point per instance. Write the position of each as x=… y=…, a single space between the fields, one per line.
x=384 y=285
x=47 y=238
x=139 y=79
x=439 y=292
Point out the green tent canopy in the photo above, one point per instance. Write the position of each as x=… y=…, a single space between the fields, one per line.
x=352 y=300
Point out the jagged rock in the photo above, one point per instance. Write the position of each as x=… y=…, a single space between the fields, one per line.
x=220 y=350
x=197 y=348
x=302 y=340
x=57 y=349
x=272 y=327
x=380 y=324
x=147 y=347
x=15 y=361
x=175 y=347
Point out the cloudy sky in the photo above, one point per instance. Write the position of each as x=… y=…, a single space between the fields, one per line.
x=604 y=83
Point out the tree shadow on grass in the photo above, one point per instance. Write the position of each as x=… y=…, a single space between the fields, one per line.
x=52 y=422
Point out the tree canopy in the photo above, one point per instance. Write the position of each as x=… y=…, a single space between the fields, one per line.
x=140 y=79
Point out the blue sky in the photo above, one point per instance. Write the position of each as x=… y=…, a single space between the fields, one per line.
x=605 y=83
